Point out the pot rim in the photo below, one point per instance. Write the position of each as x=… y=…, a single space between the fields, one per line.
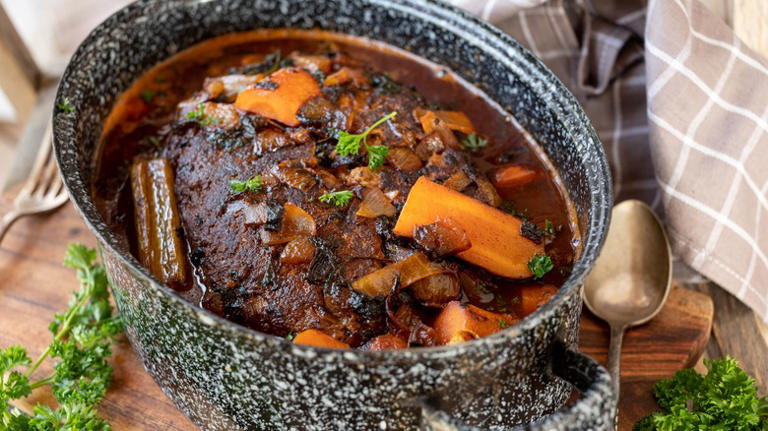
x=496 y=44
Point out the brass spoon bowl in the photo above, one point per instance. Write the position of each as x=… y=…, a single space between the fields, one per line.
x=631 y=279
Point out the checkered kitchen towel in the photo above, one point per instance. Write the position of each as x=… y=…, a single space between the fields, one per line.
x=681 y=106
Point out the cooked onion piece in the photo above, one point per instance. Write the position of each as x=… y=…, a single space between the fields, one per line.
x=403 y=159
x=436 y=290
x=299 y=250
x=374 y=204
x=443 y=237
x=406 y=272
x=296 y=223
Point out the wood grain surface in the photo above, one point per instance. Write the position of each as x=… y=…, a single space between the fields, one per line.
x=674 y=339
x=34 y=285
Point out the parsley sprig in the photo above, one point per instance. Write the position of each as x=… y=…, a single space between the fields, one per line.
x=340 y=198
x=252 y=184
x=474 y=142
x=725 y=399
x=147 y=96
x=540 y=264
x=64 y=106
x=82 y=339
x=199 y=116
x=350 y=144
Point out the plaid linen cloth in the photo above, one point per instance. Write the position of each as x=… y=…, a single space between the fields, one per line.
x=681 y=106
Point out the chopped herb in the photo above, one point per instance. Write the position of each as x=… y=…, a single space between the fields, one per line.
x=540 y=264
x=473 y=142
x=198 y=115
x=82 y=342
x=65 y=107
x=725 y=399
x=350 y=144
x=147 y=96
x=503 y=324
x=340 y=198
x=275 y=64
x=290 y=336
x=154 y=141
x=549 y=227
x=377 y=155
x=251 y=184
x=508 y=208
x=160 y=79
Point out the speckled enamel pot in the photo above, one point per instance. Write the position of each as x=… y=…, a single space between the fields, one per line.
x=227 y=377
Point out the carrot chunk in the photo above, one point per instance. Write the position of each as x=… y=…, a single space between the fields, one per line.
x=313 y=337
x=280 y=95
x=454 y=120
x=462 y=322
x=513 y=176
x=533 y=297
x=387 y=342
x=496 y=243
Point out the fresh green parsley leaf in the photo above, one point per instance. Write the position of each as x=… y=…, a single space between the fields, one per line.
x=503 y=323
x=540 y=264
x=725 y=399
x=473 y=142
x=549 y=227
x=252 y=184
x=377 y=155
x=510 y=209
x=340 y=198
x=290 y=336
x=198 y=115
x=65 y=107
x=349 y=143
x=147 y=96
x=82 y=339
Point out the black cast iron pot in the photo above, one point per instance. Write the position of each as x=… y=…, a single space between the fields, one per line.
x=227 y=377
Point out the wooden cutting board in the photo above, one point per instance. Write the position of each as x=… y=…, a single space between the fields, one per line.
x=34 y=285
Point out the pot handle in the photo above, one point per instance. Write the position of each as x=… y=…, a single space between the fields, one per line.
x=594 y=410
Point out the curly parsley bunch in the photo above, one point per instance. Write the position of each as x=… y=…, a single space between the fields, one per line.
x=725 y=399
x=82 y=340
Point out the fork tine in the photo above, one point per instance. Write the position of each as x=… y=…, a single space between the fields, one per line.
x=43 y=154
x=50 y=172
x=56 y=187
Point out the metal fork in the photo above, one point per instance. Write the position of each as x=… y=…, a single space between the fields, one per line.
x=43 y=191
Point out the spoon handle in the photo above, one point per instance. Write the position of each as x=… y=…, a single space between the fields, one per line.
x=614 y=357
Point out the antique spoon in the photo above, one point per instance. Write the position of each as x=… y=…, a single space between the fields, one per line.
x=630 y=280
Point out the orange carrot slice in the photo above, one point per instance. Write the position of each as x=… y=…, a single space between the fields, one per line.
x=462 y=322
x=533 y=297
x=495 y=236
x=513 y=176
x=387 y=342
x=313 y=337
x=280 y=95
x=454 y=120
